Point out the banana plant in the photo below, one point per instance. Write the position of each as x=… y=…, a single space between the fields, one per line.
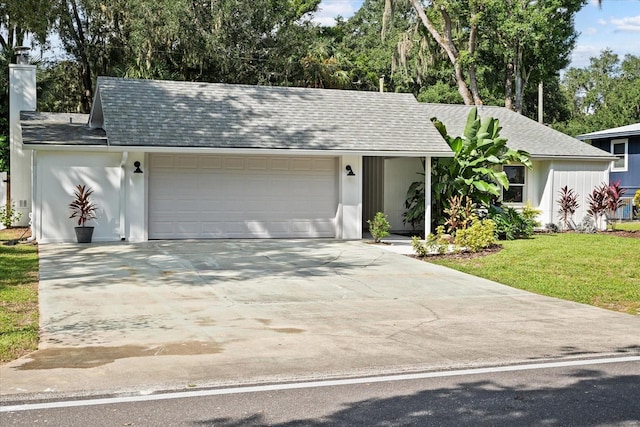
x=474 y=170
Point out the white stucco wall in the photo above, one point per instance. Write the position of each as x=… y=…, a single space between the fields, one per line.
x=22 y=97
x=548 y=177
x=399 y=173
x=58 y=173
x=349 y=222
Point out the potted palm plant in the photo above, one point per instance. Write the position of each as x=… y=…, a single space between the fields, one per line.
x=83 y=209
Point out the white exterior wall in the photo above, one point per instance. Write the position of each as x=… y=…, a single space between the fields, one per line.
x=22 y=97
x=581 y=176
x=56 y=176
x=399 y=173
x=349 y=221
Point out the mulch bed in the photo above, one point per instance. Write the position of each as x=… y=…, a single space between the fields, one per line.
x=635 y=234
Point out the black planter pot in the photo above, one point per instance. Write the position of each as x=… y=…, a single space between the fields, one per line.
x=84 y=234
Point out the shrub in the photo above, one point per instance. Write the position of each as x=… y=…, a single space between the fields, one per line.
x=460 y=213
x=480 y=235
x=434 y=243
x=9 y=215
x=82 y=207
x=636 y=203
x=379 y=227
x=587 y=225
x=552 y=227
x=613 y=200
x=597 y=205
x=421 y=249
x=510 y=224
x=529 y=212
x=568 y=202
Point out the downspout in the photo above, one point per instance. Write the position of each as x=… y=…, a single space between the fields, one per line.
x=34 y=183
x=123 y=199
x=553 y=174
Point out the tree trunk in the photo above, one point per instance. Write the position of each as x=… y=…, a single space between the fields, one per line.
x=446 y=43
x=473 y=82
x=518 y=75
x=508 y=86
x=81 y=42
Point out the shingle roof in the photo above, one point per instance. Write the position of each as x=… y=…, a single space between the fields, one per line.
x=59 y=128
x=156 y=113
x=628 y=130
x=521 y=132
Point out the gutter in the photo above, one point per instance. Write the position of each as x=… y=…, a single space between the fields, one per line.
x=237 y=151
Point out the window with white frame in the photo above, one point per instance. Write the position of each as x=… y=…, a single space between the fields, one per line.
x=515 y=192
x=619 y=148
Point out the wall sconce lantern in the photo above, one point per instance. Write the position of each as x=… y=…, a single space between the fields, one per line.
x=137 y=166
x=350 y=171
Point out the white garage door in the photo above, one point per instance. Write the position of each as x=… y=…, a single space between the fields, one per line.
x=206 y=196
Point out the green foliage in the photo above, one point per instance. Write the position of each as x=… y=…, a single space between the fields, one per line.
x=568 y=203
x=474 y=169
x=510 y=224
x=479 y=235
x=597 y=269
x=18 y=298
x=437 y=243
x=82 y=207
x=414 y=202
x=379 y=227
x=603 y=95
x=531 y=213
x=5 y=154
x=636 y=199
x=9 y=215
x=59 y=88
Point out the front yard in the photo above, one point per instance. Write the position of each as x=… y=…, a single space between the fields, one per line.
x=18 y=297
x=598 y=269
x=601 y=270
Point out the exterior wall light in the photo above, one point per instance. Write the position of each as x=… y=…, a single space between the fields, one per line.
x=350 y=171
x=137 y=166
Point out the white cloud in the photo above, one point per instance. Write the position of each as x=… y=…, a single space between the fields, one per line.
x=602 y=22
x=330 y=9
x=630 y=23
x=590 y=31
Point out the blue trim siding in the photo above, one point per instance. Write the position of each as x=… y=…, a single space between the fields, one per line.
x=630 y=180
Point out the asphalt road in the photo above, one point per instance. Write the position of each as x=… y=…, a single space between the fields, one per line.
x=602 y=394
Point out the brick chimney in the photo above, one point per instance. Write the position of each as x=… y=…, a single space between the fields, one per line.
x=22 y=97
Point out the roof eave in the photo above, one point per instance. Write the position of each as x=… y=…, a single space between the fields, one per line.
x=241 y=151
x=570 y=157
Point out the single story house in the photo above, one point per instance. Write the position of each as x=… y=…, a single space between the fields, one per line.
x=557 y=159
x=183 y=160
x=624 y=143
x=186 y=160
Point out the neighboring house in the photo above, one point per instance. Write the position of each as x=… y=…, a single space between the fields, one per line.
x=557 y=159
x=217 y=160
x=624 y=143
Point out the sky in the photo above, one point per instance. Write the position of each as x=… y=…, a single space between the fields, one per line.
x=615 y=25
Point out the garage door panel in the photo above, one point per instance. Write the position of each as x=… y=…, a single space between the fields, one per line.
x=202 y=196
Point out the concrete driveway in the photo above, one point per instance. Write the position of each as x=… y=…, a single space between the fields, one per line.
x=172 y=314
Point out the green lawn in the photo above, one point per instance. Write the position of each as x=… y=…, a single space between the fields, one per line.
x=594 y=269
x=18 y=297
x=628 y=226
